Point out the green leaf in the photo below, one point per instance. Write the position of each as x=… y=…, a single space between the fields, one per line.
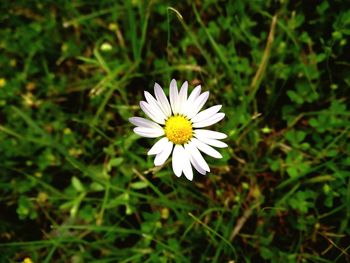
x=78 y=186
x=139 y=185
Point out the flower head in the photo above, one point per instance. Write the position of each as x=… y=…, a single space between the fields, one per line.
x=179 y=124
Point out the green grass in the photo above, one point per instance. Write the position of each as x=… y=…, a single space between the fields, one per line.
x=76 y=185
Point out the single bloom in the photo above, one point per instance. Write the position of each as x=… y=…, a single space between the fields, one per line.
x=179 y=124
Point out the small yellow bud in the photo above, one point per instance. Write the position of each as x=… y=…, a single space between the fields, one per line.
x=38 y=174
x=164 y=213
x=112 y=26
x=13 y=63
x=42 y=197
x=30 y=86
x=106 y=47
x=67 y=131
x=256 y=192
x=27 y=260
x=2 y=82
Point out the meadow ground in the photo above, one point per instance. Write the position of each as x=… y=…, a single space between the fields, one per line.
x=77 y=185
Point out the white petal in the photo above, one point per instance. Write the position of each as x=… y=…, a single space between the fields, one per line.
x=187 y=168
x=182 y=99
x=149 y=132
x=155 y=105
x=214 y=119
x=177 y=162
x=213 y=142
x=199 y=133
x=198 y=104
x=158 y=146
x=164 y=155
x=195 y=93
x=206 y=114
x=206 y=148
x=196 y=156
x=197 y=167
x=193 y=96
x=151 y=112
x=142 y=122
x=162 y=99
x=174 y=94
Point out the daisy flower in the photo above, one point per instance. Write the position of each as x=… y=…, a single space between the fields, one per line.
x=180 y=124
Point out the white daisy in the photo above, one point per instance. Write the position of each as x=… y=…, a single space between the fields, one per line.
x=179 y=124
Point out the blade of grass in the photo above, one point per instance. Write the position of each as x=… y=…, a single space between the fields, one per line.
x=118 y=86
x=291 y=36
x=194 y=38
x=254 y=86
x=212 y=231
x=132 y=32
x=223 y=58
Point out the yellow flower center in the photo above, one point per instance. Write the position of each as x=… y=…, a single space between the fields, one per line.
x=178 y=129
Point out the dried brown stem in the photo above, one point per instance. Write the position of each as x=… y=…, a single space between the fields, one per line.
x=254 y=86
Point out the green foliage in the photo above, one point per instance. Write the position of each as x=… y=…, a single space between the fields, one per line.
x=77 y=185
